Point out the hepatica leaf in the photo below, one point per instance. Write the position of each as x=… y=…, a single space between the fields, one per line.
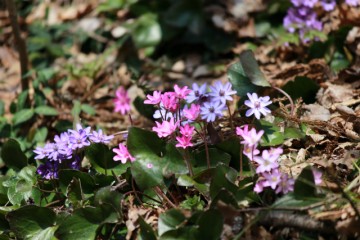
x=246 y=75
x=252 y=70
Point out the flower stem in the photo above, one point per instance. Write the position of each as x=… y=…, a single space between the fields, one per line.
x=158 y=190
x=187 y=161
x=206 y=145
x=290 y=99
x=231 y=120
x=241 y=162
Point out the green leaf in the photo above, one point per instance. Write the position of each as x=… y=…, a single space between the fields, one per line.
x=241 y=83
x=46 y=111
x=210 y=225
x=88 y=109
x=252 y=70
x=100 y=155
x=226 y=197
x=303 y=87
x=170 y=220
x=246 y=75
x=12 y=155
x=2 y=108
x=22 y=100
x=290 y=200
x=146 y=231
x=146 y=30
x=224 y=178
x=147 y=148
x=106 y=196
x=22 y=116
x=199 y=162
x=305 y=184
x=67 y=175
x=81 y=225
x=74 y=193
x=76 y=110
x=32 y=222
x=144 y=109
x=183 y=233
x=187 y=181
x=272 y=135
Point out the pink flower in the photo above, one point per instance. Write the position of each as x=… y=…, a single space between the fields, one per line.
x=122 y=154
x=317 y=176
x=184 y=142
x=259 y=186
x=122 y=101
x=149 y=165
x=192 y=113
x=187 y=130
x=154 y=99
x=181 y=93
x=250 y=152
x=251 y=137
x=286 y=185
x=166 y=128
x=267 y=162
x=272 y=179
x=169 y=101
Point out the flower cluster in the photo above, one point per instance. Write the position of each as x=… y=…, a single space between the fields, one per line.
x=178 y=109
x=302 y=16
x=63 y=151
x=267 y=163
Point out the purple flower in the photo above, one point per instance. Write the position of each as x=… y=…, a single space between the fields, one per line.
x=49 y=170
x=266 y=161
x=307 y=3
x=352 y=3
x=197 y=94
x=303 y=19
x=328 y=5
x=99 y=137
x=79 y=139
x=211 y=110
x=250 y=151
x=42 y=152
x=286 y=184
x=272 y=179
x=257 y=105
x=221 y=93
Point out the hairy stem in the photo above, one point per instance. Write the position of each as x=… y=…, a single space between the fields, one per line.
x=290 y=99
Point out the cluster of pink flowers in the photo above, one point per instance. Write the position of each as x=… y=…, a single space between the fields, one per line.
x=178 y=109
x=267 y=163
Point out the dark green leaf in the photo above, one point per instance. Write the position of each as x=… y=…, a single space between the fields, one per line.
x=13 y=156
x=289 y=200
x=46 y=111
x=223 y=178
x=302 y=87
x=241 y=83
x=74 y=193
x=146 y=231
x=144 y=109
x=109 y=197
x=2 y=108
x=22 y=116
x=305 y=185
x=81 y=225
x=147 y=148
x=32 y=222
x=210 y=225
x=216 y=156
x=67 y=175
x=252 y=70
x=170 y=220
x=183 y=233
x=100 y=154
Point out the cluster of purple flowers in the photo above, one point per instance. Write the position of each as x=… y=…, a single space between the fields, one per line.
x=179 y=108
x=302 y=17
x=62 y=152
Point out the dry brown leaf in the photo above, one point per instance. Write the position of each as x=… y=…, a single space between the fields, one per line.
x=316 y=112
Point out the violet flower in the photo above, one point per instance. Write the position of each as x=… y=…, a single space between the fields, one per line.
x=211 y=110
x=257 y=105
x=221 y=92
